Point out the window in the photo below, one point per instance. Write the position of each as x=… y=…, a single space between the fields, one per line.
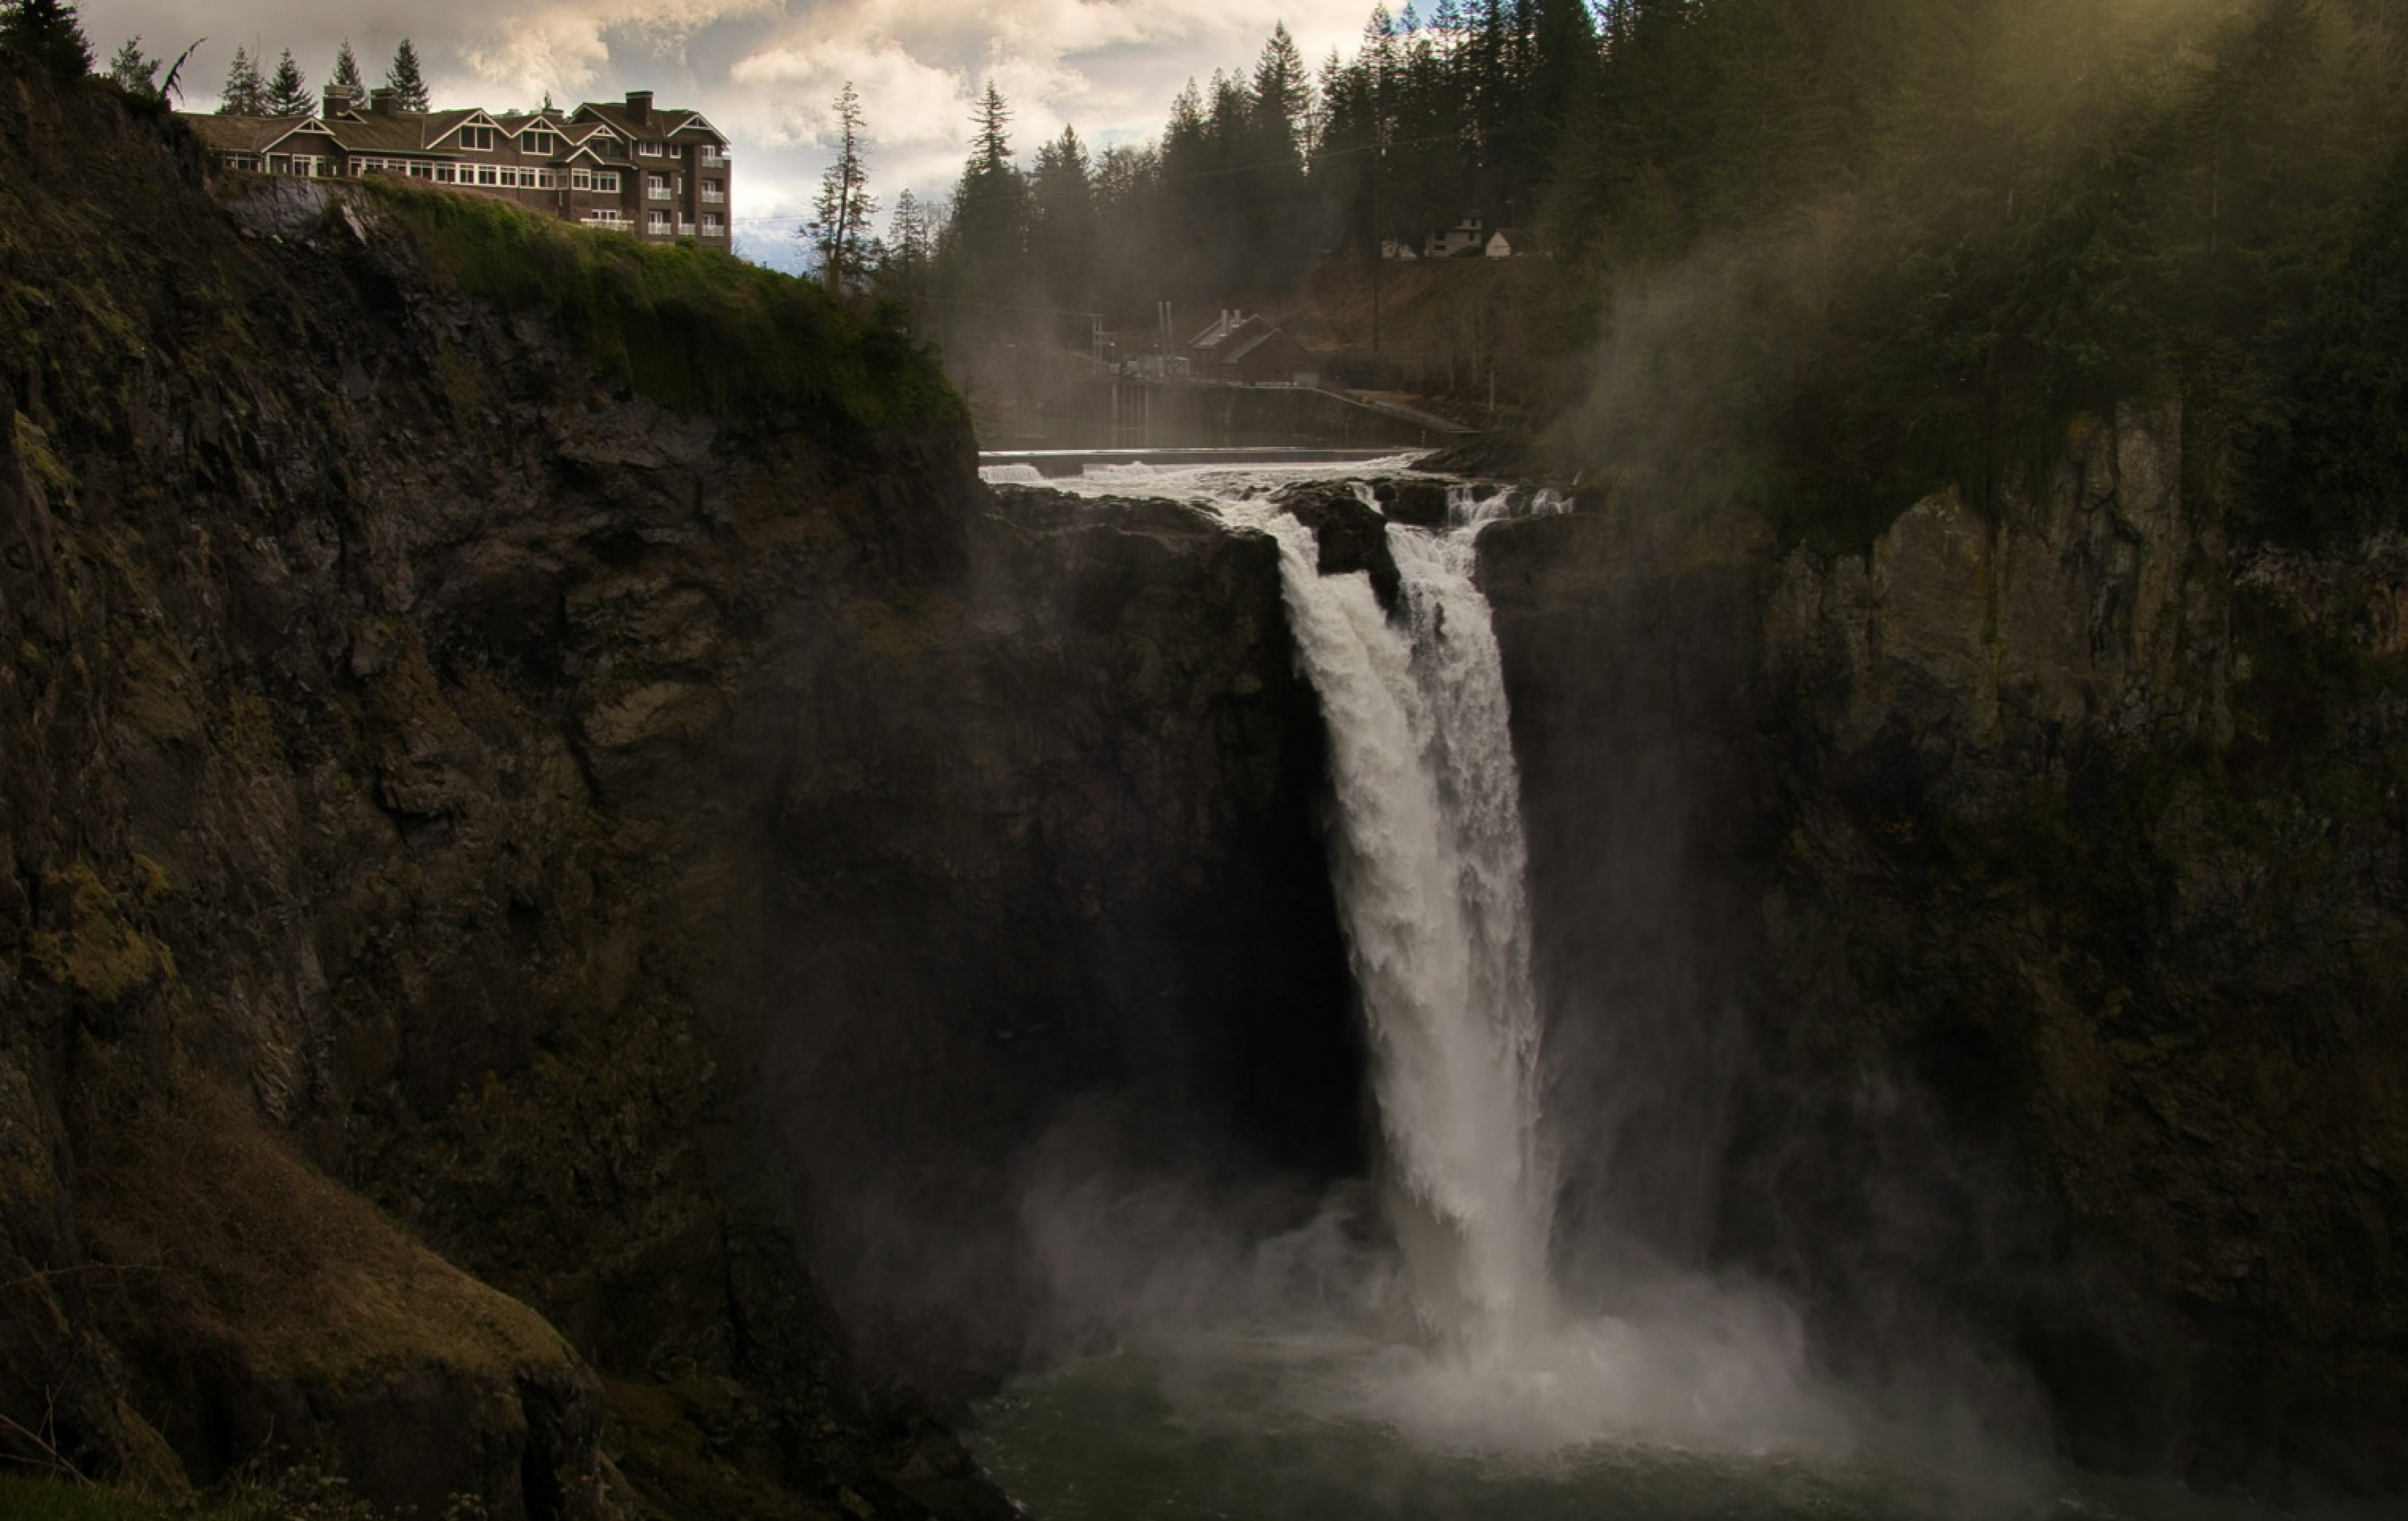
x=607 y=146
x=657 y=223
x=539 y=142
x=477 y=139
x=656 y=187
x=710 y=226
x=443 y=173
x=648 y=150
x=713 y=191
x=710 y=153
x=579 y=179
x=605 y=183
x=484 y=174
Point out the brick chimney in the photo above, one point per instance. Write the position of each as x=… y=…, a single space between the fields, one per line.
x=384 y=100
x=341 y=99
x=640 y=105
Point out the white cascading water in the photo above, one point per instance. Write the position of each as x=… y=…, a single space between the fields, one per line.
x=1470 y=506
x=1516 y=1396
x=1428 y=857
x=1428 y=860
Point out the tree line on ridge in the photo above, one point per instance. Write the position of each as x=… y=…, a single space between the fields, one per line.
x=1882 y=244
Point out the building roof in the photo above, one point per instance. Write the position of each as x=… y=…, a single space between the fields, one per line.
x=366 y=130
x=438 y=126
x=370 y=133
x=1250 y=342
x=243 y=133
x=658 y=123
x=1227 y=326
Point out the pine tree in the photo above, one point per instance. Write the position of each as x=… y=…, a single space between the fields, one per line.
x=246 y=92
x=904 y=257
x=133 y=71
x=347 y=69
x=991 y=149
x=1061 y=222
x=288 y=92
x=984 y=247
x=47 y=33
x=840 y=213
x=1281 y=94
x=405 y=79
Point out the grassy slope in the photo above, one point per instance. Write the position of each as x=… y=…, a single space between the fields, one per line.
x=695 y=329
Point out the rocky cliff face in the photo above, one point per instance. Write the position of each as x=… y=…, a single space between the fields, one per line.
x=2045 y=871
x=516 y=896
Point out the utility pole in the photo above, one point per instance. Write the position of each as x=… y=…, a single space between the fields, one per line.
x=1379 y=247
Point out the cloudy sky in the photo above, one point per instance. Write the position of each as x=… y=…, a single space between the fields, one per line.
x=765 y=71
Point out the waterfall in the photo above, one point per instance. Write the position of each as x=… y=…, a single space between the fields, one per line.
x=1427 y=858
x=1466 y=506
x=1427 y=861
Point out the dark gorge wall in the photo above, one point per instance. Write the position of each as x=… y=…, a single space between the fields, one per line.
x=1996 y=937
x=515 y=895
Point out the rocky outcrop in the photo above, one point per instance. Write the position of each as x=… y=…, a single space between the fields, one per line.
x=512 y=888
x=1350 y=535
x=2045 y=868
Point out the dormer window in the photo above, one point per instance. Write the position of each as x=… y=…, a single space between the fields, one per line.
x=650 y=149
x=546 y=143
x=477 y=139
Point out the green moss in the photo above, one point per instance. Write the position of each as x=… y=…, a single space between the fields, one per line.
x=695 y=329
x=34 y=447
x=99 y=954
x=153 y=878
x=254 y=1493
x=58 y=1499
x=656 y=1433
x=248 y=731
x=257 y=1251
x=158 y=682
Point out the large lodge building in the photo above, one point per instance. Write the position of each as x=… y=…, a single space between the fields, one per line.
x=637 y=168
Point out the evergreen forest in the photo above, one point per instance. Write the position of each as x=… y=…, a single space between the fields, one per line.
x=1822 y=254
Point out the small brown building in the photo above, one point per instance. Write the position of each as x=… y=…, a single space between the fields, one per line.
x=660 y=173
x=1250 y=352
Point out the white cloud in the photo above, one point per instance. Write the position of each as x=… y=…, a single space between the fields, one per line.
x=765 y=71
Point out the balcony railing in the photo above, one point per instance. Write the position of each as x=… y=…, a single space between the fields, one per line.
x=685 y=229
x=656 y=193
x=713 y=229
x=714 y=198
